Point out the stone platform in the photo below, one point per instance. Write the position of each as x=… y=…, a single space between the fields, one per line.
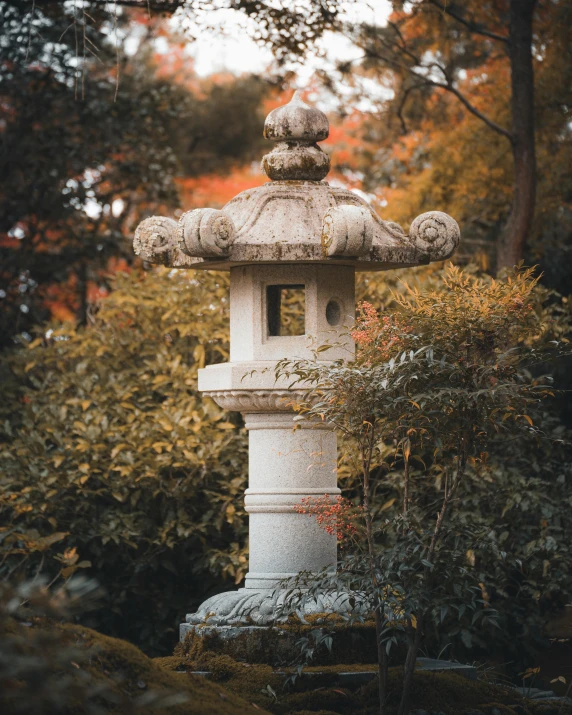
x=277 y=645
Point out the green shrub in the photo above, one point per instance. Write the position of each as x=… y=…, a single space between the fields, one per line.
x=466 y=472
x=110 y=460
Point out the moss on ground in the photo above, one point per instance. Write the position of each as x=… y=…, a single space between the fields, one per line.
x=129 y=682
x=319 y=692
x=73 y=669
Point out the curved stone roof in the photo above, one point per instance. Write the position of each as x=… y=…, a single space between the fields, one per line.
x=296 y=216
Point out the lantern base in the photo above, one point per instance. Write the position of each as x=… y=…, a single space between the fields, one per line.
x=258 y=625
x=261 y=607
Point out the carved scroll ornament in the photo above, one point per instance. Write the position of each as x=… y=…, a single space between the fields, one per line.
x=201 y=233
x=436 y=233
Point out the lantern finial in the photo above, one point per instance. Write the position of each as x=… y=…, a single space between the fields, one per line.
x=296 y=127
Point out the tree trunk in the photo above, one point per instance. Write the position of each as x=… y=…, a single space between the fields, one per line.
x=409 y=667
x=511 y=245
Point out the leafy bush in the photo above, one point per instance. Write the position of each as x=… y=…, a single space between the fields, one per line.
x=112 y=461
x=521 y=494
x=442 y=390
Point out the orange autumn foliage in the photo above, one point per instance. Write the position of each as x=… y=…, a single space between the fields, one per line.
x=215 y=190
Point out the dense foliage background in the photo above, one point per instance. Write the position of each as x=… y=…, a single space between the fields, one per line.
x=110 y=451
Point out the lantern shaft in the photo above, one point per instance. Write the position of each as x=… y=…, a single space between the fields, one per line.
x=286 y=466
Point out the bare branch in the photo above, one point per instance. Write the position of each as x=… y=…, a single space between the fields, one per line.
x=155 y=5
x=116 y=29
x=474 y=27
x=489 y=122
x=404 y=97
x=392 y=61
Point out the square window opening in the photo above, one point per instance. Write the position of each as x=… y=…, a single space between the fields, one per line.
x=286 y=307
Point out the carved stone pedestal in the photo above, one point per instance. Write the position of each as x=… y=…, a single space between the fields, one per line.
x=288 y=461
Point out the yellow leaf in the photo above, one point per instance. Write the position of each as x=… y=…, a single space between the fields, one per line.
x=115 y=451
x=230 y=512
x=70 y=556
x=407 y=449
x=54 y=538
x=388 y=505
x=85 y=404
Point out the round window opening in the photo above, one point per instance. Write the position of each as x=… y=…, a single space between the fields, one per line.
x=333 y=312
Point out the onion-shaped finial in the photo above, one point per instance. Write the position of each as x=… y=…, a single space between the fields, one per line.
x=296 y=127
x=296 y=121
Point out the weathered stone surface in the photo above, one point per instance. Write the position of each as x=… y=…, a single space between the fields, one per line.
x=296 y=161
x=296 y=121
x=246 y=401
x=296 y=217
x=296 y=127
x=259 y=607
x=437 y=233
x=437 y=665
x=287 y=465
x=297 y=222
x=205 y=232
x=155 y=240
x=347 y=231
x=277 y=645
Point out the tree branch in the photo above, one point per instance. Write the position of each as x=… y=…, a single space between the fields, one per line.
x=156 y=5
x=475 y=27
x=447 y=86
x=489 y=122
x=404 y=97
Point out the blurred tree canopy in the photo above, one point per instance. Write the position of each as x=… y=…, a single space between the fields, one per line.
x=499 y=70
x=443 y=136
x=447 y=136
x=83 y=160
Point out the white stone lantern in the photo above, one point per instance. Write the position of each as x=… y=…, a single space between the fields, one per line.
x=295 y=241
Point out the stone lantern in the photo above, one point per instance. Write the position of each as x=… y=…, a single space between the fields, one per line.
x=292 y=247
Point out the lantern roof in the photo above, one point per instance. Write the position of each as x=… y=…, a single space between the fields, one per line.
x=296 y=216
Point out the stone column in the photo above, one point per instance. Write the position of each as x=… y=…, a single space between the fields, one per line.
x=288 y=461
